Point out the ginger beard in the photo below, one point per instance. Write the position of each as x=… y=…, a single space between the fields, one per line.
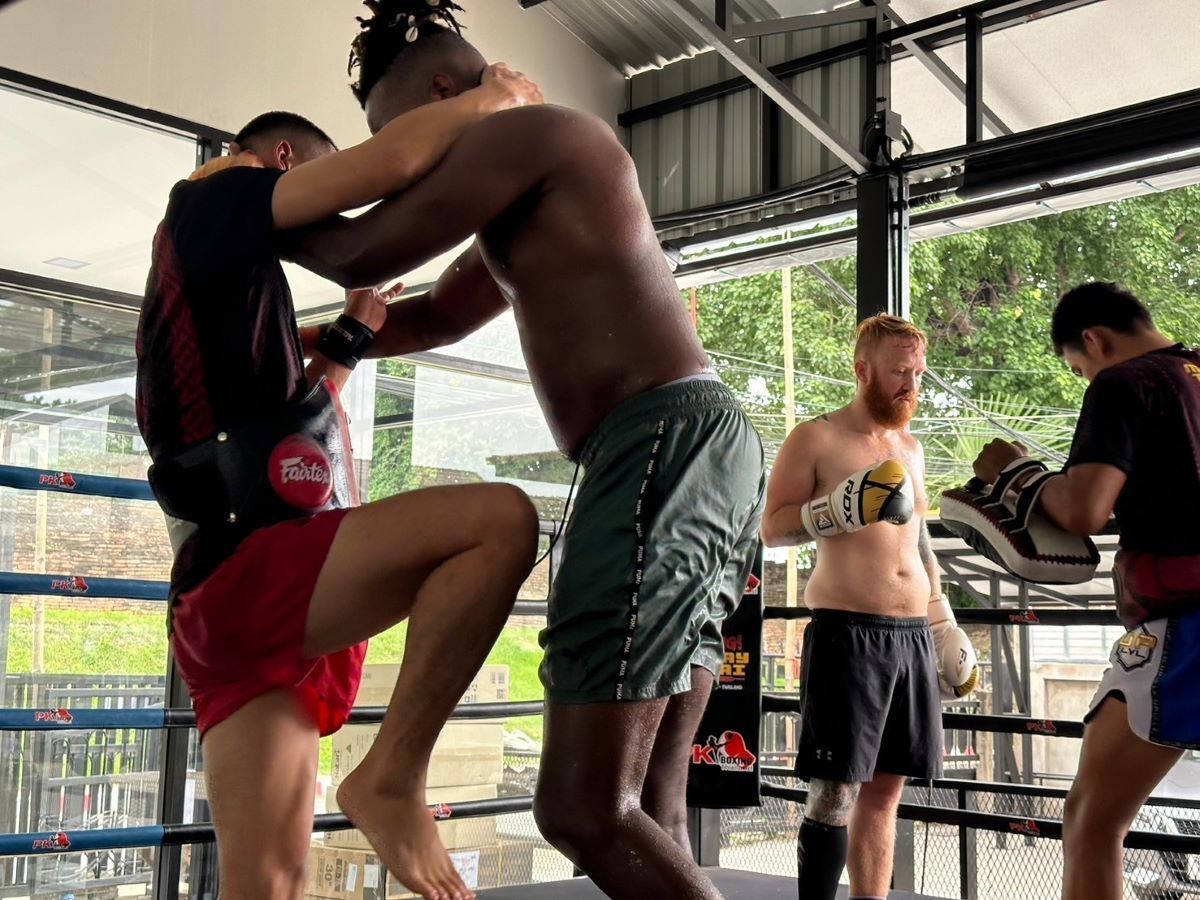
x=891 y=410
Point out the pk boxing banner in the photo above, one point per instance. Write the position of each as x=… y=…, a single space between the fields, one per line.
x=724 y=771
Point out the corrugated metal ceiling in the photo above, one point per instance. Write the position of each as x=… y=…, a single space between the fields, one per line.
x=636 y=35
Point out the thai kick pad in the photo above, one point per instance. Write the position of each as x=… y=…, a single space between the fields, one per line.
x=1000 y=522
x=252 y=476
x=726 y=752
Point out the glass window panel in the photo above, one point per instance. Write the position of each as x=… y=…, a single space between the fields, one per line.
x=83 y=192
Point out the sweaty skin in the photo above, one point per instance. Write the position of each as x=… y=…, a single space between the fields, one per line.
x=884 y=569
x=519 y=182
x=879 y=570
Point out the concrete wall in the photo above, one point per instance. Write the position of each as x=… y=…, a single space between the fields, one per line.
x=1061 y=691
x=221 y=62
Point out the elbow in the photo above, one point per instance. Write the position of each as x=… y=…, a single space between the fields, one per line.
x=358 y=267
x=1085 y=521
x=402 y=173
x=770 y=533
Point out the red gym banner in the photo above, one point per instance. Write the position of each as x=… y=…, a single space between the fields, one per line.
x=724 y=772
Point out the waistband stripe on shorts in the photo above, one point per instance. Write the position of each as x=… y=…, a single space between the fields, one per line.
x=659 y=403
x=868 y=620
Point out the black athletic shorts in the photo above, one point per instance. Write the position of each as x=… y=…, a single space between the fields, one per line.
x=869 y=698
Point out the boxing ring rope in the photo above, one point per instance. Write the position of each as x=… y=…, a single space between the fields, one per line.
x=779 y=703
x=1023 y=826
x=971 y=786
x=42 y=843
x=87 y=587
x=158 y=836
x=1104 y=615
x=21 y=719
x=82 y=586
x=26 y=479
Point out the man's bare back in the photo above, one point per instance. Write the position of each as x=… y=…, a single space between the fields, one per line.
x=554 y=201
x=878 y=571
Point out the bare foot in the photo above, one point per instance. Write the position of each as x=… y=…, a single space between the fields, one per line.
x=400 y=827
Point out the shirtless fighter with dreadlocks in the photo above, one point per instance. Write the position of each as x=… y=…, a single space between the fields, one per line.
x=664 y=529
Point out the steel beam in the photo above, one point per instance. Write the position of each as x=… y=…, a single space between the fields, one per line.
x=974 y=93
x=882 y=275
x=846 y=16
x=933 y=33
x=941 y=70
x=724 y=43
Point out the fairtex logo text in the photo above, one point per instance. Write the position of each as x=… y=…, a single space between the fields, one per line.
x=295 y=469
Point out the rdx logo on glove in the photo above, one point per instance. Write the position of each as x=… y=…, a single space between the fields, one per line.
x=848 y=504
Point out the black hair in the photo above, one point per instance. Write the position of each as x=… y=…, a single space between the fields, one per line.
x=394 y=27
x=283 y=125
x=1096 y=304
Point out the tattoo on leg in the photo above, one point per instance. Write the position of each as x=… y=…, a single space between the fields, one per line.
x=830 y=802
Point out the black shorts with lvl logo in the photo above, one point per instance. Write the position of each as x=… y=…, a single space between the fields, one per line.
x=869 y=700
x=660 y=545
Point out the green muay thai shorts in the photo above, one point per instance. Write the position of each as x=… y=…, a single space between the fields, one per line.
x=659 y=546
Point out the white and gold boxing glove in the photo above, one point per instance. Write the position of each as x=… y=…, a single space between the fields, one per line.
x=958 y=667
x=879 y=493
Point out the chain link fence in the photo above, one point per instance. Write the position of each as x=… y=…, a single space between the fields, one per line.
x=940 y=860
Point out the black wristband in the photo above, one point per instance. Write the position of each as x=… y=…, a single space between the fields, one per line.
x=345 y=341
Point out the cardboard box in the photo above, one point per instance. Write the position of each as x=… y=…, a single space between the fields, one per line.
x=455 y=833
x=336 y=873
x=378 y=681
x=472 y=866
x=466 y=752
x=498 y=864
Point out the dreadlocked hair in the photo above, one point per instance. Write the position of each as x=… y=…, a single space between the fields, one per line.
x=393 y=27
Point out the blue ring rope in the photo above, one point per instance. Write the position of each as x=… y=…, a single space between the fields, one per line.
x=89 y=719
x=26 y=479
x=50 y=842
x=82 y=587
x=40 y=843
x=155 y=718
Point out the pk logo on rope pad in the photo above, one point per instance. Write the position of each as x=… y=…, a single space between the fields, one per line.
x=73 y=583
x=56 y=716
x=729 y=753
x=1028 y=827
x=56 y=841
x=64 y=480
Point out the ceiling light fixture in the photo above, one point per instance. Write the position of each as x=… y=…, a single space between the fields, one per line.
x=65 y=262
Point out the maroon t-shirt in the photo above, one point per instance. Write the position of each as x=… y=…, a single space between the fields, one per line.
x=1143 y=417
x=217 y=342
